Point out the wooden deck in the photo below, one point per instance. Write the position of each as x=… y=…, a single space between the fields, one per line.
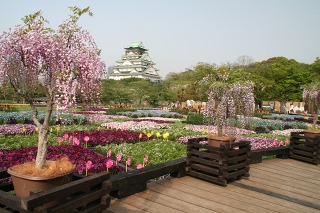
x=278 y=185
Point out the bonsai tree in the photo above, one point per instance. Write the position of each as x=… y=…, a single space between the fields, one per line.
x=226 y=99
x=64 y=62
x=311 y=95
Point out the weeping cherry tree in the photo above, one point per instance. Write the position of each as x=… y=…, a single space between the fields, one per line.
x=227 y=100
x=311 y=94
x=64 y=62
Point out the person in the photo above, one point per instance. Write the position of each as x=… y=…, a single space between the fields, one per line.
x=291 y=108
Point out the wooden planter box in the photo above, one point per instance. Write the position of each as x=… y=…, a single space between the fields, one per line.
x=83 y=194
x=305 y=147
x=218 y=165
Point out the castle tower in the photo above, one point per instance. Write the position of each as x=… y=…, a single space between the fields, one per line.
x=136 y=63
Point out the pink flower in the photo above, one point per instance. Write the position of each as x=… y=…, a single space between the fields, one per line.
x=109 y=163
x=281 y=143
x=109 y=154
x=65 y=136
x=129 y=161
x=70 y=138
x=146 y=159
x=86 y=138
x=275 y=142
x=89 y=164
x=287 y=142
x=76 y=141
x=139 y=166
x=60 y=140
x=119 y=157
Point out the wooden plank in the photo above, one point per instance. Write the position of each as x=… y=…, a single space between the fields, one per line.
x=10 y=200
x=275 y=190
x=294 y=165
x=246 y=196
x=64 y=190
x=312 y=178
x=218 y=180
x=283 y=186
x=147 y=205
x=278 y=178
x=207 y=199
x=203 y=161
x=120 y=207
x=172 y=202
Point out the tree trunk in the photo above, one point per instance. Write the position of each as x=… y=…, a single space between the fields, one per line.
x=42 y=146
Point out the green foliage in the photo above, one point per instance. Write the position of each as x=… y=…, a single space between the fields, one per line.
x=115 y=111
x=195 y=118
x=158 y=151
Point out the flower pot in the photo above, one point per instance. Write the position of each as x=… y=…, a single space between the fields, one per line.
x=24 y=184
x=311 y=134
x=217 y=141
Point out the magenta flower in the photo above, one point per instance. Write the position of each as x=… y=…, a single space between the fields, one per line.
x=70 y=138
x=60 y=140
x=119 y=157
x=139 y=166
x=281 y=143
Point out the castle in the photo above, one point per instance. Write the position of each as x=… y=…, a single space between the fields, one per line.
x=136 y=63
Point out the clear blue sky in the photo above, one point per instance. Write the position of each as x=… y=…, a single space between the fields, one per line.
x=181 y=33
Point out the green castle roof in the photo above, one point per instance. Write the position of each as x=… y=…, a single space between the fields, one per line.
x=136 y=44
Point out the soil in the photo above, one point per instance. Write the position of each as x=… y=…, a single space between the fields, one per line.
x=52 y=168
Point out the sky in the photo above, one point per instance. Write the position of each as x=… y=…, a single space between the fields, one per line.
x=181 y=33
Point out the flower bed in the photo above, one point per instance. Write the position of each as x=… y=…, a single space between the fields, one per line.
x=151 y=113
x=96 y=137
x=22 y=118
x=77 y=154
x=135 y=126
x=15 y=129
x=152 y=120
x=213 y=129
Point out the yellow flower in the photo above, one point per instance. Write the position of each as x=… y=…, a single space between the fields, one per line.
x=36 y=129
x=152 y=132
x=23 y=129
x=140 y=136
x=144 y=131
x=58 y=128
x=165 y=135
x=51 y=129
x=149 y=135
x=158 y=134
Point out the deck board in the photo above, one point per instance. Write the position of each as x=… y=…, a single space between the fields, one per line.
x=278 y=185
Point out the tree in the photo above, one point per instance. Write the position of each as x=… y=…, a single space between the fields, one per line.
x=65 y=62
x=227 y=100
x=311 y=94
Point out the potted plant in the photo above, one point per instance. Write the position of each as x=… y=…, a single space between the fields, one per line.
x=64 y=63
x=228 y=103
